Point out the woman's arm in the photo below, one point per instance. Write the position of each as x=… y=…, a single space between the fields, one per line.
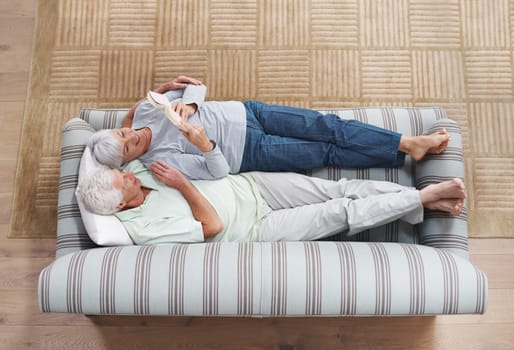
x=179 y=82
x=215 y=161
x=192 y=99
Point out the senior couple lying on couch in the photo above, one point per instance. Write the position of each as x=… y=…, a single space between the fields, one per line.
x=186 y=185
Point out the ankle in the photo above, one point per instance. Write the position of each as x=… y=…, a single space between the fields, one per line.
x=426 y=195
x=405 y=145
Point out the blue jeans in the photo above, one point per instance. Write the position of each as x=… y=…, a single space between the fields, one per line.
x=280 y=138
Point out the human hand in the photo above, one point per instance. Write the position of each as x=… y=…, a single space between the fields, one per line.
x=179 y=82
x=195 y=134
x=184 y=110
x=167 y=174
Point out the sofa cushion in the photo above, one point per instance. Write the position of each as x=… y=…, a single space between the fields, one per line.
x=439 y=230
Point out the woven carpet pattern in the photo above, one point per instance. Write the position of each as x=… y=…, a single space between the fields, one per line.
x=457 y=54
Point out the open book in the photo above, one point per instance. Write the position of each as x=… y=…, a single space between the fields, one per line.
x=160 y=101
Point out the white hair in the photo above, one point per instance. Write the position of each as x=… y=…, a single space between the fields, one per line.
x=98 y=193
x=106 y=149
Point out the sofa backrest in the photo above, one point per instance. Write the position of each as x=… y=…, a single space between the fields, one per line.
x=438 y=230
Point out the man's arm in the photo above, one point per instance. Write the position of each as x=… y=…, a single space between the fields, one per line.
x=202 y=210
x=179 y=82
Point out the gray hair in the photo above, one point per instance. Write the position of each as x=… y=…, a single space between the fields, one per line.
x=98 y=194
x=106 y=149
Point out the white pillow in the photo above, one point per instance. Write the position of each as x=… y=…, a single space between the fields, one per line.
x=102 y=229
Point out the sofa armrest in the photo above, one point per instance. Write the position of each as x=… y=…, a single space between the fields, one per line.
x=71 y=234
x=103 y=118
x=439 y=229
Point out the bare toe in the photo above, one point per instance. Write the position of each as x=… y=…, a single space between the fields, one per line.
x=449 y=205
x=451 y=189
x=440 y=140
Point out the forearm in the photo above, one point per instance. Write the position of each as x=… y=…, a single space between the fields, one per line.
x=202 y=209
x=194 y=95
x=213 y=158
x=178 y=85
x=216 y=163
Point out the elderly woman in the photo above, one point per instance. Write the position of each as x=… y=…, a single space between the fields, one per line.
x=218 y=138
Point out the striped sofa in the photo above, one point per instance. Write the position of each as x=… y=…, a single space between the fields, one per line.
x=397 y=269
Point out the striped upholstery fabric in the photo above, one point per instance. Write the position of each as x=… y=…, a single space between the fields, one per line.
x=397 y=269
x=270 y=279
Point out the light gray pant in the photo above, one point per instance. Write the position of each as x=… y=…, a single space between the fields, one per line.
x=298 y=208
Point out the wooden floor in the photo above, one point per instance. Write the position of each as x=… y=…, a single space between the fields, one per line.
x=22 y=326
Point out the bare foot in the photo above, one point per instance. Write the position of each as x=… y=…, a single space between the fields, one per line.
x=443 y=145
x=451 y=189
x=447 y=196
x=418 y=146
x=452 y=206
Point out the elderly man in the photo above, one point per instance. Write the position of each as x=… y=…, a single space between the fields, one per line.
x=222 y=137
x=255 y=206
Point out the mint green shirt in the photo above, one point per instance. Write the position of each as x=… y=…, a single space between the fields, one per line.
x=166 y=217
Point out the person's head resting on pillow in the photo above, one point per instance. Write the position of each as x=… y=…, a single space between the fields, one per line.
x=107 y=191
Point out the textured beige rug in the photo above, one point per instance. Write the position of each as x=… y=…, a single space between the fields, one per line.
x=457 y=54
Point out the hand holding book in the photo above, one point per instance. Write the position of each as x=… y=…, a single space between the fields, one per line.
x=192 y=132
x=160 y=101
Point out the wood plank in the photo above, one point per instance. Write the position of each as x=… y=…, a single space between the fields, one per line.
x=19 y=273
x=11 y=117
x=491 y=246
x=498 y=268
x=7 y=175
x=25 y=248
x=5 y=208
x=259 y=334
x=16 y=48
x=20 y=308
x=18 y=9
x=500 y=309
x=13 y=86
